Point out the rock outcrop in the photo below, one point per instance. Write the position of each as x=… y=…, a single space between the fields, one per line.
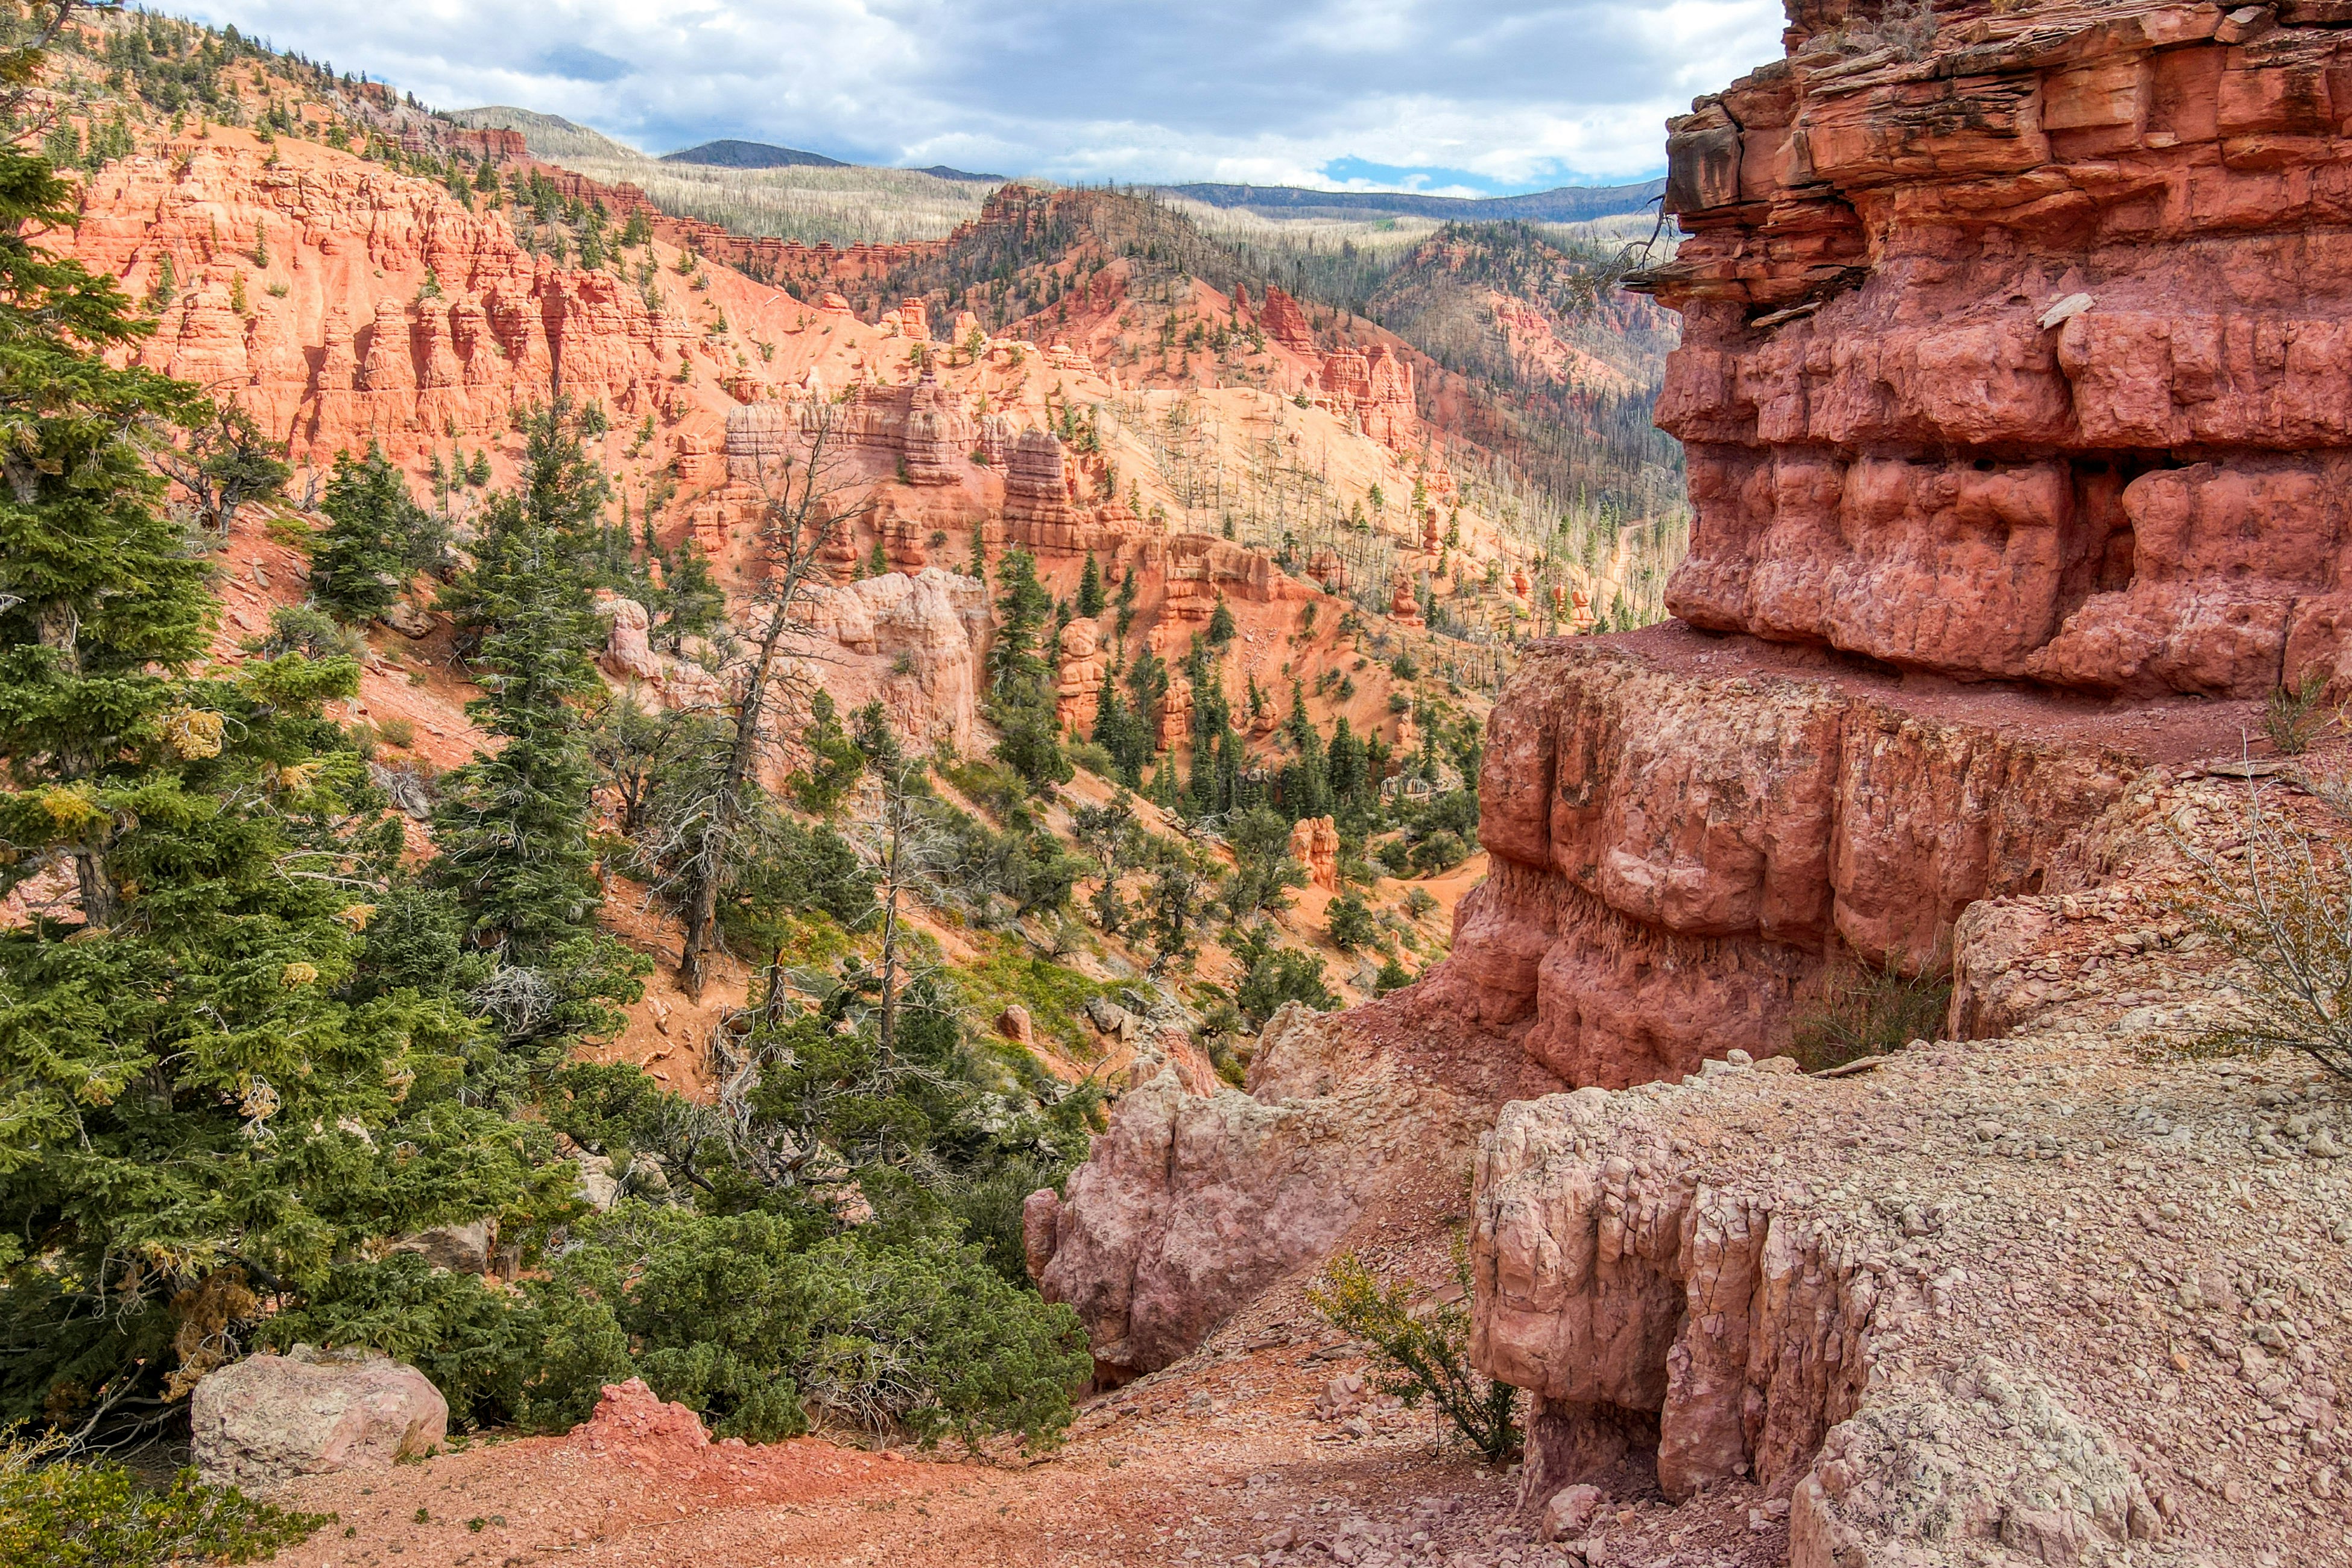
x=1286 y=323
x=912 y=641
x=1372 y=388
x=1190 y=1202
x=2012 y=347
x=269 y=1418
x=1675 y=851
x=1315 y=844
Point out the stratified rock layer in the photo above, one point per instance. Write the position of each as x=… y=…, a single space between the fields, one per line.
x=2016 y=348
x=1675 y=851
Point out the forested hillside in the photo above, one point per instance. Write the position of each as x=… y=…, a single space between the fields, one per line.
x=354 y=911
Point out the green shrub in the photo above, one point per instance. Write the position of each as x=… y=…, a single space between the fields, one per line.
x=735 y=1318
x=1275 y=975
x=1422 y=1353
x=532 y=1358
x=1349 y=923
x=2291 y=718
x=1858 y=1011
x=63 y=1513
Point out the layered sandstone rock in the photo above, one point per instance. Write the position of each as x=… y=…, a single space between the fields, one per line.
x=911 y=641
x=1674 y=851
x=1286 y=323
x=1078 y=686
x=1373 y=389
x=1675 y=1297
x=2014 y=348
x=1315 y=844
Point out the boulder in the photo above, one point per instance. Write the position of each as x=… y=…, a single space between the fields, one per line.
x=1015 y=1025
x=407 y=620
x=269 y=1418
x=465 y=1248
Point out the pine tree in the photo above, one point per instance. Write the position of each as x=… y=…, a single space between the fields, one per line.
x=359 y=564
x=693 y=604
x=1021 y=698
x=878 y=564
x=1090 y=588
x=512 y=827
x=1221 y=624
x=196 y=1112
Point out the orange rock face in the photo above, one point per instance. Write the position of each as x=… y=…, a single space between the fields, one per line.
x=1374 y=389
x=1286 y=323
x=1675 y=852
x=2020 y=353
x=1315 y=844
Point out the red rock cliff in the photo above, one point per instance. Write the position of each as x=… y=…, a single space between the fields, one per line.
x=2014 y=342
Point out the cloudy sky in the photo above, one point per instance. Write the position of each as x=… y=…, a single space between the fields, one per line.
x=1473 y=97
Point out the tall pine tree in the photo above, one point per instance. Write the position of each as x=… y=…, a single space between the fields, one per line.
x=512 y=827
x=197 y=1107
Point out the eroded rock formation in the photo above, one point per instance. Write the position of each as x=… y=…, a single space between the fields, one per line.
x=2017 y=350
x=1674 y=850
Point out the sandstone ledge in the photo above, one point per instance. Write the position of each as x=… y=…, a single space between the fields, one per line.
x=2054 y=1296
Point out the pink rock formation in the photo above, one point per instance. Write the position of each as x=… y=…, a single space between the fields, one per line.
x=1405 y=604
x=1315 y=844
x=1192 y=1203
x=1035 y=496
x=2015 y=353
x=1286 y=323
x=627 y=652
x=1372 y=388
x=911 y=641
x=1672 y=853
x=1078 y=687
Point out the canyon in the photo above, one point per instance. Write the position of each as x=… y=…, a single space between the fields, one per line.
x=1999 y=543
x=2009 y=385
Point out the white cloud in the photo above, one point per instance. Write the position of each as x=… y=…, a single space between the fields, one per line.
x=1511 y=92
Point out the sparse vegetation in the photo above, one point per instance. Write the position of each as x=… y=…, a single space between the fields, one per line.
x=61 y=1512
x=1421 y=1347
x=1858 y=1009
x=2282 y=910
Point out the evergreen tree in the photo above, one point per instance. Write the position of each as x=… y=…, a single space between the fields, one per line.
x=1345 y=765
x=359 y=564
x=512 y=827
x=1118 y=731
x=1021 y=697
x=1306 y=785
x=693 y=603
x=1017 y=659
x=1221 y=624
x=1090 y=588
x=196 y=1110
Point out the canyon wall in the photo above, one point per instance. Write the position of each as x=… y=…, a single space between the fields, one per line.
x=2013 y=343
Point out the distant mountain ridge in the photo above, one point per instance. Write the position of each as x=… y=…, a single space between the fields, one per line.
x=1568 y=204
x=728 y=154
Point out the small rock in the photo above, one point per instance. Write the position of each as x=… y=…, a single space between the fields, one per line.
x=1570 y=1512
x=1013 y=1024
x=407 y=620
x=2065 y=309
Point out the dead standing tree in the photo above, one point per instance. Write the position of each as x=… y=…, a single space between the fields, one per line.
x=766 y=677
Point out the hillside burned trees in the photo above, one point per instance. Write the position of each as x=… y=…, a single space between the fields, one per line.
x=717 y=808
